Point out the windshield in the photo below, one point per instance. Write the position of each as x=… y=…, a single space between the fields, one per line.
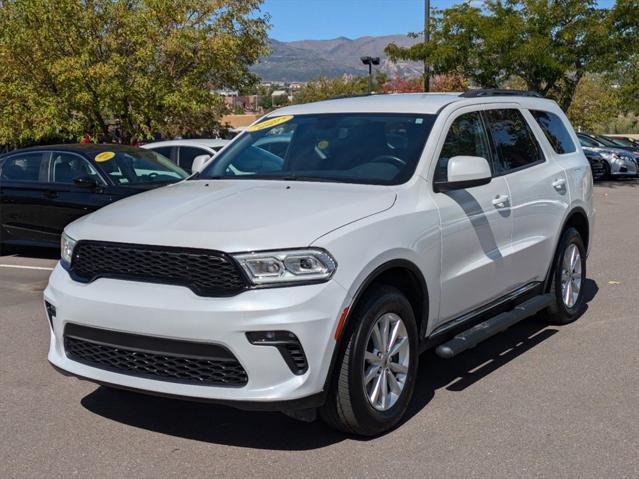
x=380 y=149
x=623 y=142
x=606 y=141
x=138 y=166
x=587 y=141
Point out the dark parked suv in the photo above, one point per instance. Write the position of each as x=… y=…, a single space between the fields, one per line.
x=43 y=189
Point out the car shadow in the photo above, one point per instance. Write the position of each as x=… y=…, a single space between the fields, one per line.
x=218 y=424
x=33 y=252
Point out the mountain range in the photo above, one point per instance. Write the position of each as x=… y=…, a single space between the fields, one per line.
x=304 y=60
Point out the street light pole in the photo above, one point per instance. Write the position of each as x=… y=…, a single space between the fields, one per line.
x=426 y=40
x=370 y=61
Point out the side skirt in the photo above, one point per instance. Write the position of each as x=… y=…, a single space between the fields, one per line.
x=449 y=330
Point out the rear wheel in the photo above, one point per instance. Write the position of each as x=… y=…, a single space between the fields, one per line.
x=376 y=373
x=568 y=277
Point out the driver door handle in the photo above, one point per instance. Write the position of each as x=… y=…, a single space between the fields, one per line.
x=500 y=201
x=50 y=194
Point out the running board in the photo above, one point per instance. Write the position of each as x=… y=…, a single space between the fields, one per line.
x=475 y=335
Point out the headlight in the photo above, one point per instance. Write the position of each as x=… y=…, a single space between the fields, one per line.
x=608 y=155
x=66 y=249
x=287 y=266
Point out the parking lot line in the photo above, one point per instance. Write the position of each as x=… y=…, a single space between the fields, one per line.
x=16 y=266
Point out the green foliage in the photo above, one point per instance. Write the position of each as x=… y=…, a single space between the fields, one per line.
x=73 y=66
x=326 y=88
x=595 y=104
x=549 y=45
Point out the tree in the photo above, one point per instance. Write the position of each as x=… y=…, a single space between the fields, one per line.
x=438 y=83
x=595 y=104
x=550 y=45
x=71 y=67
x=326 y=88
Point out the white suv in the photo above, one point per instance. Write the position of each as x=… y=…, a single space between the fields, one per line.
x=310 y=277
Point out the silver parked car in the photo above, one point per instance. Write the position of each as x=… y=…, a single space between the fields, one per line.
x=618 y=162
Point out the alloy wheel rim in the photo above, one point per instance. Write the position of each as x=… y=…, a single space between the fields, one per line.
x=386 y=361
x=571 y=275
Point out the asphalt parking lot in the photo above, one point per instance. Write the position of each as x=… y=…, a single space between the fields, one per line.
x=535 y=401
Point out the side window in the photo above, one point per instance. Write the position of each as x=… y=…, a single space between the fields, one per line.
x=164 y=151
x=66 y=167
x=188 y=154
x=467 y=137
x=23 y=168
x=555 y=131
x=514 y=141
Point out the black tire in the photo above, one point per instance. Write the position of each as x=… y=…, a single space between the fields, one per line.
x=559 y=312
x=607 y=175
x=348 y=408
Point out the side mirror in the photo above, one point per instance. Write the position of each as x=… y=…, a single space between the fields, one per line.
x=198 y=162
x=466 y=172
x=85 y=182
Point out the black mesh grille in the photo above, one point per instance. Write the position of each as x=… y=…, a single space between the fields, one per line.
x=598 y=169
x=163 y=366
x=206 y=273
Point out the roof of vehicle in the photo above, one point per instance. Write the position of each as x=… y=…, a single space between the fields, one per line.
x=424 y=103
x=205 y=142
x=89 y=149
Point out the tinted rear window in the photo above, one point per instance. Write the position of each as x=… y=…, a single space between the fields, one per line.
x=555 y=131
x=514 y=141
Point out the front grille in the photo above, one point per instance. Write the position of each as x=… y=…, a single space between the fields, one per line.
x=154 y=358
x=597 y=168
x=205 y=272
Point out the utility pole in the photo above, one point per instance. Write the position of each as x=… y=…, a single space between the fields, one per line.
x=426 y=40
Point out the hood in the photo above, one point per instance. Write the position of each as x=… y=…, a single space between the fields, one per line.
x=617 y=151
x=233 y=215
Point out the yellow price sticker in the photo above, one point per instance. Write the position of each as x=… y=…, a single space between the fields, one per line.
x=278 y=120
x=104 y=156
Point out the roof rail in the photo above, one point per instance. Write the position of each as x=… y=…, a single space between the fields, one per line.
x=499 y=92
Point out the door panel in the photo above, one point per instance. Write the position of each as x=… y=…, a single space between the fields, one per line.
x=68 y=202
x=22 y=198
x=476 y=226
x=540 y=196
x=538 y=209
x=476 y=236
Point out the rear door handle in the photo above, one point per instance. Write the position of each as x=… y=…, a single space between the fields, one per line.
x=500 y=201
x=50 y=194
x=559 y=184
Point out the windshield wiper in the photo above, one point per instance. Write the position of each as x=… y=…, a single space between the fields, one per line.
x=305 y=178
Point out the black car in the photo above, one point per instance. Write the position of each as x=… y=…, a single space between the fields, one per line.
x=42 y=189
x=597 y=164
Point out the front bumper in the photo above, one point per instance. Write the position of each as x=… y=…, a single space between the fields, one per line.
x=173 y=312
x=623 y=167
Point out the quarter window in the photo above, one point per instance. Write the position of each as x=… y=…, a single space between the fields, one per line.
x=23 y=168
x=555 y=131
x=467 y=137
x=514 y=141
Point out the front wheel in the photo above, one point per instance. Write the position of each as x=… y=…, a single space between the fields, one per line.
x=568 y=278
x=376 y=373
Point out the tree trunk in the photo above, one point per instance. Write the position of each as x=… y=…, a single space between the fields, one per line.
x=568 y=92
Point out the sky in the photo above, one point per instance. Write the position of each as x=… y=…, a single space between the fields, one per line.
x=325 y=19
